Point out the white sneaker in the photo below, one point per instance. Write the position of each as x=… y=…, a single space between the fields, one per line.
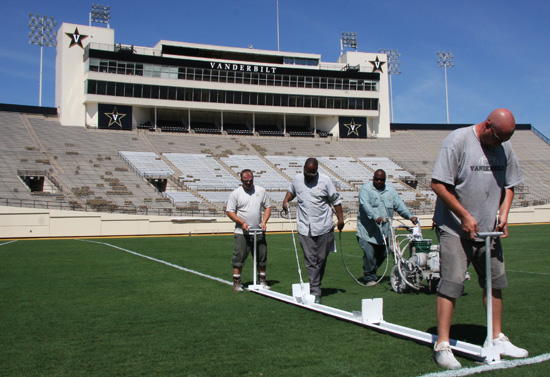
x=509 y=348
x=263 y=283
x=237 y=287
x=443 y=356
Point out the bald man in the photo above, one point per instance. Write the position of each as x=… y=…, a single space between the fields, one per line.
x=474 y=179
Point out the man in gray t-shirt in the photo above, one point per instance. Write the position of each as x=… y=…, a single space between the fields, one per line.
x=474 y=178
x=315 y=194
x=244 y=207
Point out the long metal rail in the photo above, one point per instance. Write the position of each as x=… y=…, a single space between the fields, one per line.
x=371 y=316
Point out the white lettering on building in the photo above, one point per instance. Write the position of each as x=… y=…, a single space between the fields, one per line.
x=242 y=67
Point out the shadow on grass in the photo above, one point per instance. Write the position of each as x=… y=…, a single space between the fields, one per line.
x=474 y=334
x=332 y=291
x=271 y=283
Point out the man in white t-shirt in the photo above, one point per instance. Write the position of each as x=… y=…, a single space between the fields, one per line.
x=244 y=207
x=474 y=179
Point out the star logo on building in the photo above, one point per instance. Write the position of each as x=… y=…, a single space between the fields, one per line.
x=377 y=65
x=353 y=128
x=76 y=38
x=115 y=118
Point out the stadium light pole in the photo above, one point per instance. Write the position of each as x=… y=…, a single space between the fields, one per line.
x=41 y=33
x=348 y=40
x=445 y=60
x=100 y=14
x=278 y=26
x=393 y=69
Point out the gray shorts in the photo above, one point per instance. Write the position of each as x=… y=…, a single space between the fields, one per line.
x=243 y=244
x=457 y=254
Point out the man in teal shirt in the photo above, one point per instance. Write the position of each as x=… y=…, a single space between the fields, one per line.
x=377 y=202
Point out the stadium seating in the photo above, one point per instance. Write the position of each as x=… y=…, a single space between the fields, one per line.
x=147 y=164
x=107 y=170
x=264 y=174
x=201 y=171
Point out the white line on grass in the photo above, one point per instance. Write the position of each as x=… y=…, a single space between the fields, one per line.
x=448 y=373
x=484 y=368
x=163 y=262
x=5 y=243
x=529 y=272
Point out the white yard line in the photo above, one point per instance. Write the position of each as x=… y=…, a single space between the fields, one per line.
x=5 y=243
x=528 y=272
x=448 y=373
x=163 y=262
x=508 y=364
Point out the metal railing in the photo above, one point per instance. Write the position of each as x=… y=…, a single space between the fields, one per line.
x=350 y=210
x=541 y=135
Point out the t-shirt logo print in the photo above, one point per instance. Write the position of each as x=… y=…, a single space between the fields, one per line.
x=487 y=164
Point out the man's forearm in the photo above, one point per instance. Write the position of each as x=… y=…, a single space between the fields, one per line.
x=507 y=202
x=448 y=197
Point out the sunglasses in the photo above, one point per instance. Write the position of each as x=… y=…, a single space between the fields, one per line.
x=247 y=180
x=498 y=138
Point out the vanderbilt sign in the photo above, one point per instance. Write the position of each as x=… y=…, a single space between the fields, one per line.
x=242 y=67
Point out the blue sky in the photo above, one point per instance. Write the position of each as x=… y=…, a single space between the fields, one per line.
x=501 y=48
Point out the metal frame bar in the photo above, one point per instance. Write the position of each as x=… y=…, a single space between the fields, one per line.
x=371 y=315
x=255 y=284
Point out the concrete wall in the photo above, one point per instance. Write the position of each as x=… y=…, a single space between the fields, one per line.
x=70 y=70
x=38 y=223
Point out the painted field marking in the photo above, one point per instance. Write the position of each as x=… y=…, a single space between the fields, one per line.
x=161 y=261
x=449 y=373
x=508 y=364
x=529 y=272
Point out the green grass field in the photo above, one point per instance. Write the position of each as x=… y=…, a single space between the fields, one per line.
x=76 y=308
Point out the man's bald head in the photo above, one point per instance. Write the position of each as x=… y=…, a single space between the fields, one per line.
x=503 y=122
x=497 y=128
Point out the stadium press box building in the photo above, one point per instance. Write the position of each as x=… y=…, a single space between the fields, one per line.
x=188 y=87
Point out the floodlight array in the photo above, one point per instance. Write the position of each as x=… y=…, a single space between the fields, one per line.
x=349 y=39
x=393 y=61
x=100 y=14
x=445 y=59
x=42 y=30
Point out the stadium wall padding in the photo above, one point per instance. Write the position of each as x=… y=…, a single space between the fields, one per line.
x=16 y=222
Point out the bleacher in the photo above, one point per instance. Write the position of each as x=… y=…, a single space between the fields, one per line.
x=264 y=174
x=205 y=128
x=348 y=169
x=215 y=196
x=172 y=126
x=89 y=168
x=87 y=171
x=384 y=163
x=323 y=133
x=299 y=131
x=269 y=130
x=201 y=171
x=178 y=197
x=147 y=164
x=291 y=165
x=237 y=129
x=146 y=126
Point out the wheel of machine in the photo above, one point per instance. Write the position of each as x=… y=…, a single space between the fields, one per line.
x=396 y=280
